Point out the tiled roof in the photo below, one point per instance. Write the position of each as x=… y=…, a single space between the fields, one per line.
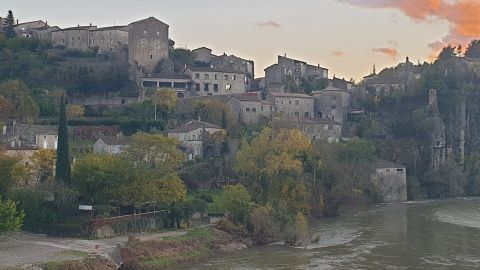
x=292 y=95
x=219 y=70
x=116 y=140
x=121 y=27
x=248 y=97
x=148 y=19
x=81 y=27
x=193 y=125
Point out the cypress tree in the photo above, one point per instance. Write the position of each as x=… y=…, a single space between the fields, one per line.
x=225 y=148
x=9 y=25
x=62 y=170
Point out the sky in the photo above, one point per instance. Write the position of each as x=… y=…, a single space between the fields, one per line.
x=346 y=36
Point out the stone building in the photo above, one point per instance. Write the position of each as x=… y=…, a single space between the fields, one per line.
x=73 y=37
x=391 y=180
x=315 y=129
x=293 y=105
x=109 y=39
x=26 y=29
x=180 y=83
x=192 y=136
x=44 y=32
x=111 y=145
x=148 y=43
x=276 y=74
x=341 y=83
x=332 y=103
x=39 y=136
x=211 y=81
x=250 y=108
x=203 y=55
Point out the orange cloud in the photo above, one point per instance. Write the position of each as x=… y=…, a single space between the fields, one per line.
x=463 y=16
x=270 y=23
x=338 y=53
x=391 y=52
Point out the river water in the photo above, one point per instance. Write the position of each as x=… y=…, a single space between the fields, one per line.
x=443 y=234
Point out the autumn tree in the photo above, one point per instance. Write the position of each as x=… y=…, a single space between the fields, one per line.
x=11 y=219
x=43 y=164
x=9 y=25
x=164 y=100
x=75 y=111
x=272 y=156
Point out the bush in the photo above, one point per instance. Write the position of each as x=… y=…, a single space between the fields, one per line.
x=237 y=203
x=263 y=225
x=296 y=231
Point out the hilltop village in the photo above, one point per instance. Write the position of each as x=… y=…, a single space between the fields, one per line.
x=178 y=135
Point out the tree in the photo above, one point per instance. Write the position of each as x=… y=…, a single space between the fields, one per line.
x=265 y=228
x=270 y=158
x=17 y=94
x=6 y=167
x=158 y=152
x=164 y=99
x=75 y=111
x=9 y=25
x=10 y=218
x=63 y=170
x=43 y=162
x=237 y=202
x=6 y=108
x=447 y=53
x=473 y=49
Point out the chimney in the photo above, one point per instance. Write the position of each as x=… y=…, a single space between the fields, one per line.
x=78 y=25
x=90 y=24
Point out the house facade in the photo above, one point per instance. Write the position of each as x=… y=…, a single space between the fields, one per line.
x=250 y=108
x=293 y=105
x=315 y=129
x=111 y=145
x=109 y=39
x=180 y=83
x=192 y=136
x=212 y=82
x=332 y=103
x=39 y=136
x=391 y=180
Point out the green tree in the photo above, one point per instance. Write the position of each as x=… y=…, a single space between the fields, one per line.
x=447 y=53
x=237 y=202
x=473 y=49
x=62 y=169
x=9 y=25
x=10 y=218
x=7 y=180
x=17 y=93
x=158 y=152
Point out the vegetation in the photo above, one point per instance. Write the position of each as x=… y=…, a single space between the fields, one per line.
x=62 y=168
x=10 y=218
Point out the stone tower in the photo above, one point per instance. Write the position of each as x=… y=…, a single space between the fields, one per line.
x=148 y=43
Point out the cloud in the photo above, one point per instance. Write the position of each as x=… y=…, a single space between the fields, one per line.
x=391 y=52
x=462 y=15
x=338 y=53
x=269 y=23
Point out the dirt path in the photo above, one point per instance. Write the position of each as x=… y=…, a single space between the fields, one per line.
x=25 y=249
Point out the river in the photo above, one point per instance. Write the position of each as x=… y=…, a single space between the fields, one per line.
x=441 y=234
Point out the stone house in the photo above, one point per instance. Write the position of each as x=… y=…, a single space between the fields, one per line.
x=341 y=83
x=148 y=43
x=94 y=132
x=192 y=136
x=293 y=105
x=111 y=145
x=39 y=136
x=203 y=55
x=111 y=39
x=391 y=180
x=276 y=74
x=180 y=83
x=250 y=108
x=332 y=103
x=73 y=37
x=26 y=29
x=315 y=129
x=209 y=81
x=44 y=32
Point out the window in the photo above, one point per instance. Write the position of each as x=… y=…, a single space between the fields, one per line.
x=206 y=87
x=78 y=38
x=271 y=108
x=281 y=102
x=156 y=42
x=228 y=87
x=215 y=87
x=142 y=42
x=297 y=114
x=290 y=102
x=149 y=84
x=206 y=76
x=92 y=41
x=399 y=171
x=151 y=56
x=179 y=85
x=296 y=102
x=334 y=98
x=234 y=77
x=216 y=77
x=197 y=75
x=254 y=109
x=73 y=38
x=262 y=108
x=123 y=101
x=194 y=137
x=334 y=107
x=225 y=77
x=330 y=127
x=197 y=87
x=247 y=109
x=165 y=84
x=307 y=115
x=388 y=170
